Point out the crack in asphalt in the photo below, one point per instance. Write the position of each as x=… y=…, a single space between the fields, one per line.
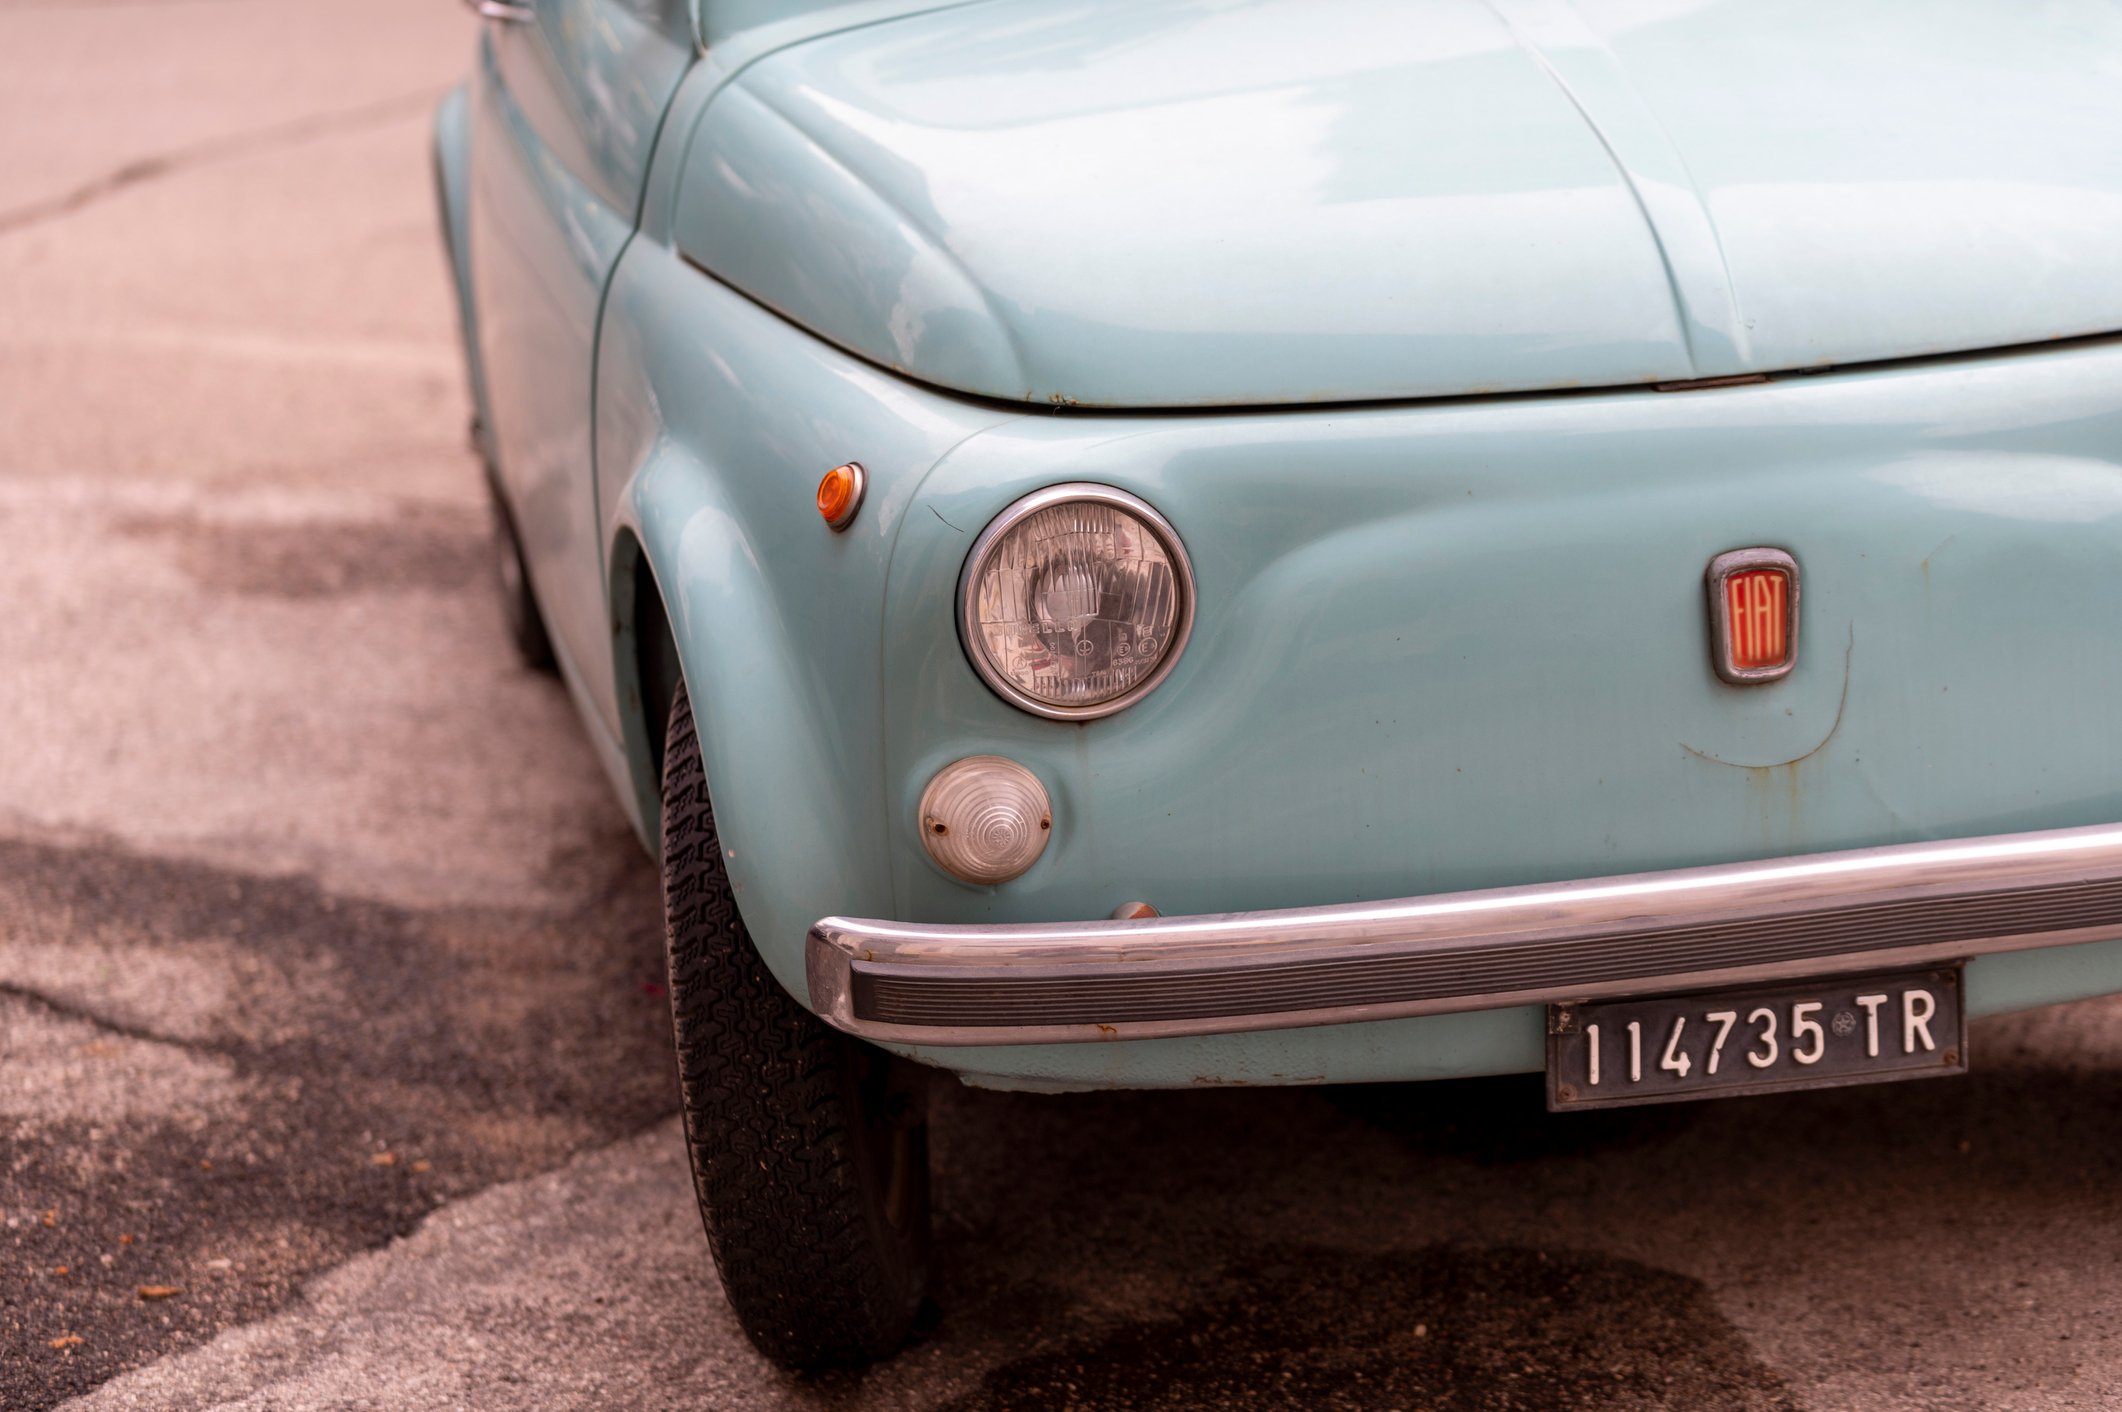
x=179 y=160
x=65 y=1010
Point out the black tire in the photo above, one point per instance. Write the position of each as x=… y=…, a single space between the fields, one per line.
x=519 y=605
x=809 y=1147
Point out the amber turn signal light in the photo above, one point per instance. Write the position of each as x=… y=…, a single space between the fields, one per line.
x=840 y=495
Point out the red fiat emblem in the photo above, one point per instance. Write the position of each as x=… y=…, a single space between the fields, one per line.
x=1753 y=614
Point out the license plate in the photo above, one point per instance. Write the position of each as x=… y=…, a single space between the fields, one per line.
x=1818 y=1034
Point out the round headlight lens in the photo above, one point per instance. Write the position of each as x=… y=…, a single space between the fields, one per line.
x=1076 y=601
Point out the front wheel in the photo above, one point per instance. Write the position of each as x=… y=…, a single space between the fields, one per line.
x=809 y=1148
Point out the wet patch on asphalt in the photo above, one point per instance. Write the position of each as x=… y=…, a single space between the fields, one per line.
x=363 y=1063
x=421 y=549
x=1438 y=1327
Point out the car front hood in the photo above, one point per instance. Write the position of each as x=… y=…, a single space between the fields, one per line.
x=1168 y=203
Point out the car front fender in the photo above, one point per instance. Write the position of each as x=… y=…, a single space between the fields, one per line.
x=793 y=772
x=715 y=420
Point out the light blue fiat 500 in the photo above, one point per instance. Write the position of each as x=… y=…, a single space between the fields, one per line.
x=1163 y=542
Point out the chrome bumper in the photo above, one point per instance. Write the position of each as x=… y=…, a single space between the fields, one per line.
x=1043 y=983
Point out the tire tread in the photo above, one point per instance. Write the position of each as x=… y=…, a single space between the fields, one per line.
x=772 y=1118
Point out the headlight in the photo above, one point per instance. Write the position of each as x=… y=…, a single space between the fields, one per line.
x=1076 y=601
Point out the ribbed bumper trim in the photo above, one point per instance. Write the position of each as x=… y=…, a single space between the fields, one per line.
x=1641 y=934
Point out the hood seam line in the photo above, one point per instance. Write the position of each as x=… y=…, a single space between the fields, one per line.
x=1681 y=310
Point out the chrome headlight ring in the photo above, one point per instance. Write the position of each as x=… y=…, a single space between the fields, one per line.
x=1078 y=605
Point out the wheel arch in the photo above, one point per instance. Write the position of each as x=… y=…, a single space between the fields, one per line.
x=645 y=658
x=792 y=778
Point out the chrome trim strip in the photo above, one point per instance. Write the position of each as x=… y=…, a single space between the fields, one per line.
x=969 y=627
x=1875 y=908
x=511 y=10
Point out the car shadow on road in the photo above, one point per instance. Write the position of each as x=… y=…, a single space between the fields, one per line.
x=1453 y=1245
x=1499 y=1120
x=1439 y=1327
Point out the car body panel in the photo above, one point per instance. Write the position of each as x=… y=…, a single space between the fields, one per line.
x=750 y=27
x=714 y=426
x=1028 y=204
x=1883 y=180
x=1443 y=644
x=1505 y=737
x=564 y=113
x=1167 y=204
x=1485 y=623
x=452 y=171
x=542 y=242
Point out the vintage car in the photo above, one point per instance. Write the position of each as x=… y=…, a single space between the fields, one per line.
x=1148 y=543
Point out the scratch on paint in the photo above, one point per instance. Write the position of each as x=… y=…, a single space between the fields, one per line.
x=1840 y=707
x=939 y=515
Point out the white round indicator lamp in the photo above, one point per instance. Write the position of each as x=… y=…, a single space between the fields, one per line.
x=985 y=819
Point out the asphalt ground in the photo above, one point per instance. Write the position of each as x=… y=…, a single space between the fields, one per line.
x=333 y=1053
